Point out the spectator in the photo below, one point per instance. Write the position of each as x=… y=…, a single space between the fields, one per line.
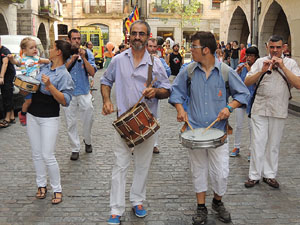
x=235 y=55
x=7 y=74
x=108 y=54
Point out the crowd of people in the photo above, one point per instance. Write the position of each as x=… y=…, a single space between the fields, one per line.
x=147 y=70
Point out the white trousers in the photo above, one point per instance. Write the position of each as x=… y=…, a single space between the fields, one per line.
x=240 y=114
x=156 y=135
x=267 y=133
x=212 y=161
x=83 y=105
x=42 y=134
x=142 y=160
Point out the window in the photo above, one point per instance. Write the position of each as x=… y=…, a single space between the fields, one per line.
x=83 y=38
x=95 y=39
x=97 y=6
x=216 y=4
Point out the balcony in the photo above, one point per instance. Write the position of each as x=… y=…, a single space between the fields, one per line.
x=51 y=13
x=158 y=10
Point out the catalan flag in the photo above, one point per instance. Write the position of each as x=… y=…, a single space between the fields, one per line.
x=134 y=15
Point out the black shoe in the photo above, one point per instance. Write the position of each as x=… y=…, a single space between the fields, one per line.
x=88 y=148
x=201 y=216
x=223 y=214
x=74 y=156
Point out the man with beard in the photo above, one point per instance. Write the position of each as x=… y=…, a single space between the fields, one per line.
x=129 y=70
x=175 y=60
x=252 y=54
x=80 y=66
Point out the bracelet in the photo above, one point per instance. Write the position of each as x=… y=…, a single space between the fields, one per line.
x=229 y=108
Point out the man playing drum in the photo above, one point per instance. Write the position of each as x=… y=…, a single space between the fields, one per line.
x=129 y=70
x=208 y=101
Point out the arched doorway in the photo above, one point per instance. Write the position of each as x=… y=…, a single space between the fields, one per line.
x=43 y=36
x=105 y=31
x=3 y=26
x=275 y=22
x=238 y=29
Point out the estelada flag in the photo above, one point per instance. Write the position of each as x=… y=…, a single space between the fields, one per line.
x=134 y=15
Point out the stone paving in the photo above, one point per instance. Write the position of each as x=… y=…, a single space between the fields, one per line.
x=170 y=196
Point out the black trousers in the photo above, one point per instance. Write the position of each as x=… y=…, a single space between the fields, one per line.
x=7 y=95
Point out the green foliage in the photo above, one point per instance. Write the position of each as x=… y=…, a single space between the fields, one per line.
x=18 y=1
x=189 y=13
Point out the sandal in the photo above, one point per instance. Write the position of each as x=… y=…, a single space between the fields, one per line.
x=41 y=193
x=57 y=198
x=12 y=121
x=271 y=182
x=4 y=124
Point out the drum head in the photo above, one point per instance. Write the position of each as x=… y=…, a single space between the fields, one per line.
x=28 y=79
x=196 y=139
x=198 y=135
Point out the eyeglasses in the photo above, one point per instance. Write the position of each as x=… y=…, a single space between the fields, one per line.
x=197 y=46
x=141 y=34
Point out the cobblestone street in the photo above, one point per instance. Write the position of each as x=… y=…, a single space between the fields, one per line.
x=170 y=196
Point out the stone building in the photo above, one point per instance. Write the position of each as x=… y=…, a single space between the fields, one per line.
x=274 y=17
x=108 y=14
x=8 y=17
x=166 y=24
x=31 y=17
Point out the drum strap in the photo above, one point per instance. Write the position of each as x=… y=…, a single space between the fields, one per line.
x=149 y=79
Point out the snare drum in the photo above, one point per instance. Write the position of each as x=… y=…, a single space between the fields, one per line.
x=26 y=83
x=137 y=126
x=212 y=138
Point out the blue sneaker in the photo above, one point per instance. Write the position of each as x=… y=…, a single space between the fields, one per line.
x=235 y=152
x=139 y=211
x=114 y=219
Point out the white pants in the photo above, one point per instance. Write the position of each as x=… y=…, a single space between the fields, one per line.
x=156 y=135
x=267 y=133
x=83 y=104
x=42 y=134
x=142 y=161
x=239 y=121
x=214 y=161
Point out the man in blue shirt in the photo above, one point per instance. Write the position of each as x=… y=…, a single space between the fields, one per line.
x=129 y=71
x=252 y=54
x=208 y=101
x=152 y=49
x=80 y=66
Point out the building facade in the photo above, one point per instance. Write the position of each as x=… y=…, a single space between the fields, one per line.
x=274 y=17
x=168 y=24
x=108 y=14
x=31 y=17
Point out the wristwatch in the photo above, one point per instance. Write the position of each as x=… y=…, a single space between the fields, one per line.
x=229 y=108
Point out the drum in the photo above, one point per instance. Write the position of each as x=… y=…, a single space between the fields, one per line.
x=137 y=126
x=27 y=83
x=212 y=138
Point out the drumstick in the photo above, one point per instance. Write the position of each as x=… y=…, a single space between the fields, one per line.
x=133 y=108
x=217 y=120
x=188 y=123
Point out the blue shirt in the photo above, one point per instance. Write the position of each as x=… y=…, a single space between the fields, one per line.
x=251 y=88
x=80 y=76
x=208 y=96
x=167 y=68
x=59 y=78
x=130 y=81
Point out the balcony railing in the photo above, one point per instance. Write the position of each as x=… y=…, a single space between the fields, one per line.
x=158 y=9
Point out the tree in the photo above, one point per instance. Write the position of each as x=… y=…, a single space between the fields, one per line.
x=187 y=11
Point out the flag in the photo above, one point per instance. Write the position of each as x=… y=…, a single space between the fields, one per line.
x=134 y=15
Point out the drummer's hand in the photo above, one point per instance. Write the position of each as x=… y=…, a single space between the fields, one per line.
x=149 y=92
x=224 y=114
x=182 y=116
x=46 y=81
x=108 y=108
x=1 y=80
